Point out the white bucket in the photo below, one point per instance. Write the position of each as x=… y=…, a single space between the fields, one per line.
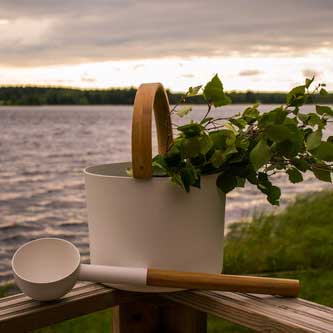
x=153 y=223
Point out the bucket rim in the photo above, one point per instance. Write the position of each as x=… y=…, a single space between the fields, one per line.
x=113 y=170
x=96 y=170
x=116 y=171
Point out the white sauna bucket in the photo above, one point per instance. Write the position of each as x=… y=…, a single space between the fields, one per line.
x=146 y=221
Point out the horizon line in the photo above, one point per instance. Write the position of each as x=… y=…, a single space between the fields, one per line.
x=125 y=88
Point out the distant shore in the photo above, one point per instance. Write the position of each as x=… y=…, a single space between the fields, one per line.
x=30 y=95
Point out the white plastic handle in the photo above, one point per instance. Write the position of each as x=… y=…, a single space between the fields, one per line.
x=113 y=274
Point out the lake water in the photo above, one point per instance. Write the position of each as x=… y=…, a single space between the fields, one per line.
x=42 y=153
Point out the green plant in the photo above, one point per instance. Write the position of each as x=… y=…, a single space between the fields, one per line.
x=251 y=146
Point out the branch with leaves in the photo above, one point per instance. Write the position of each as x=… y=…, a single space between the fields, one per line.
x=251 y=146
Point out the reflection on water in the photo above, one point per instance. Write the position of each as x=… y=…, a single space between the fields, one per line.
x=42 y=153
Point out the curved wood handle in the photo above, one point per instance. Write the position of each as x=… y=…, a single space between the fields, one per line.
x=149 y=96
x=237 y=283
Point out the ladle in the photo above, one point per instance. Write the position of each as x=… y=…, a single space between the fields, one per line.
x=46 y=269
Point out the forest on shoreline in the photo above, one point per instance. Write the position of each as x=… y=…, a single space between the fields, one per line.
x=30 y=95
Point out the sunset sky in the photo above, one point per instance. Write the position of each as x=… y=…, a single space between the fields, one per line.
x=257 y=45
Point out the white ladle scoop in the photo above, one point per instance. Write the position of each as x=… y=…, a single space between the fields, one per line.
x=46 y=269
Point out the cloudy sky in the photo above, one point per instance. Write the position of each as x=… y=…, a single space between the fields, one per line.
x=258 y=45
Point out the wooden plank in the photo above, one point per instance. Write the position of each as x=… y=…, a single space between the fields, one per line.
x=154 y=316
x=301 y=306
x=263 y=313
x=259 y=314
x=19 y=313
x=283 y=310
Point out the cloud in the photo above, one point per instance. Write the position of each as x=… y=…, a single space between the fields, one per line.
x=310 y=73
x=41 y=32
x=4 y=21
x=250 y=72
x=187 y=75
x=138 y=66
x=85 y=77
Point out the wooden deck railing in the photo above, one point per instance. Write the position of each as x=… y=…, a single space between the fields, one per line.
x=183 y=312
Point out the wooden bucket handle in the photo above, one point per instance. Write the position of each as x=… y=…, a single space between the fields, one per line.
x=149 y=97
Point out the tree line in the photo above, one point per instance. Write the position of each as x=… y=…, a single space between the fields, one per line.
x=69 y=96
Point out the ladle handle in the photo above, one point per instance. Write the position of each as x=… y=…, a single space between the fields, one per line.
x=223 y=282
x=189 y=280
x=113 y=274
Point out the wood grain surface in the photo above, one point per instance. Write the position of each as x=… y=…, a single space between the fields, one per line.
x=238 y=283
x=263 y=313
x=149 y=97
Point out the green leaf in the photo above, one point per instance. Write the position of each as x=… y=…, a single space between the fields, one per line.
x=242 y=141
x=330 y=139
x=206 y=143
x=190 y=130
x=230 y=139
x=313 y=140
x=193 y=91
x=190 y=147
x=274 y=117
x=309 y=81
x=230 y=151
x=226 y=182
x=322 y=174
x=300 y=164
x=324 y=151
x=273 y=195
x=159 y=166
x=291 y=123
x=287 y=148
x=278 y=133
x=230 y=127
x=294 y=175
x=293 y=145
x=324 y=109
x=311 y=119
x=214 y=93
x=296 y=96
x=251 y=114
x=260 y=154
x=184 y=111
x=240 y=123
x=252 y=176
x=173 y=157
x=177 y=179
x=186 y=177
x=217 y=158
x=189 y=176
x=323 y=92
x=223 y=139
x=314 y=119
x=199 y=161
x=303 y=117
x=265 y=186
x=158 y=171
